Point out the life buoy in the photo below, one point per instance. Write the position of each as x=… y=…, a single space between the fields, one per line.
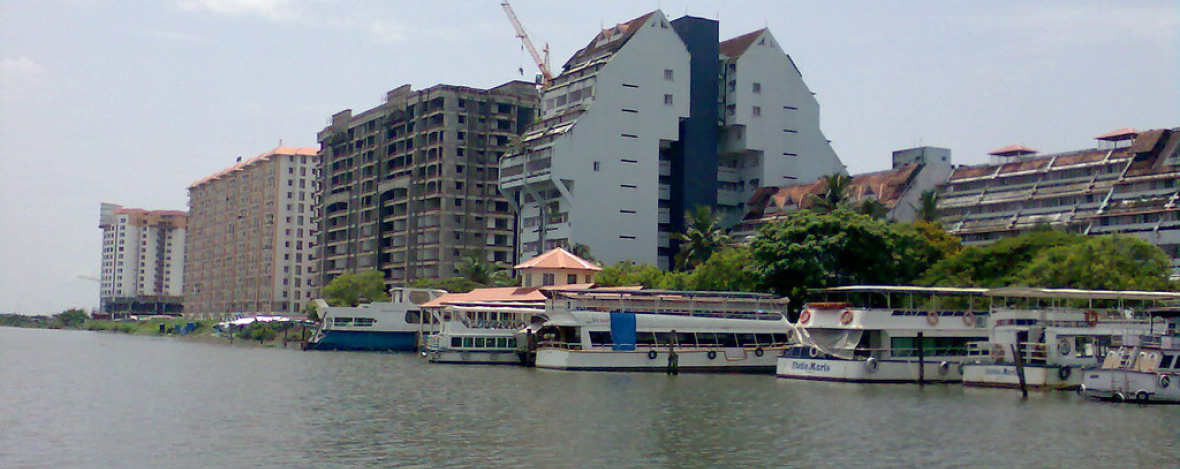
x=814 y=352
x=651 y=354
x=1165 y=381
x=712 y=354
x=758 y=352
x=846 y=316
x=1142 y=396
x=871 y=365
x=1064 y=372
x=932 y=318
x=805 y=316
x=1091 y=318
x=944 y=368
x=1063 y=347
x=969 y=319
x=997 y=352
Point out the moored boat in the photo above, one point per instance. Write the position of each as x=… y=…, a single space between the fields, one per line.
x=391 y=326
x=484 y=334
x=885 y=334
x=654 y=330
x=1143 y=368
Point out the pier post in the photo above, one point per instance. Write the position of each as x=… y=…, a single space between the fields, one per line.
x=921 y=361
x=673 y=360
x=1020 y=369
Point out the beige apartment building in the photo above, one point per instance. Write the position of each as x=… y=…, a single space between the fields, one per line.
x=409 y=187
x=142 y=260
x=252 y=233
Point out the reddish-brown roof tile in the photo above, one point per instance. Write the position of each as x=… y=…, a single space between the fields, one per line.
x=557 y=258
x=738 y=45
x=1012 y=150
x=593 y=49
x=1125 y=133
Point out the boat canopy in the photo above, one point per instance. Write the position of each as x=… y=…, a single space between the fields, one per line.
x=906 y=289
x=1029 y=292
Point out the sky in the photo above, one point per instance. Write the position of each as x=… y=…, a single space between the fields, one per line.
x=129 y=102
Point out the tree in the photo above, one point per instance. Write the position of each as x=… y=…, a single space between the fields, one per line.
x=701 y=238
x=351 y=289
x=928 y=207
x=997 y=264
x=728 y=269
x=835 y=193
x=873 y=209
x=311 y=311
x=943 y=244
x=475 y=267
x=452 y=284
x=72 y=317
x=805 y=250
x=628 y=273
x=583 y=251
x=1099 y=263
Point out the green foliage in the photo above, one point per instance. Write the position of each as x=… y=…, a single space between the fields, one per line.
x=627 y=273
x=1099 y=263
x=73 y=317
x=997 y=264
x=351 y=289
x=583 y=251
x=260 y=331
x=835 y=193
x=730 y=269
x=942 y=244
x=20 y=320
x=474 y=266
x=311 y=311
x=928 y=207
x=452 y=284
x=873 y=209
x=806 y=250
x=701 y=238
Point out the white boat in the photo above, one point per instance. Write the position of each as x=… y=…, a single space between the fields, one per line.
x=653 y=330
x=1054 y=332
x=1143 y=368
x=478 y=334
x=886 y=334
x=382 y=326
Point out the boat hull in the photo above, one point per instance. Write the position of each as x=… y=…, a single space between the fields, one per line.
x=728 y=360
x=859 y=371
x=1036 y=377
x=1131 y=386
x=364 y=341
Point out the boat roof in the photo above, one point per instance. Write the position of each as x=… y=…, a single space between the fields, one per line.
x=633 y=293
x=1030 y=292
x=906 y=289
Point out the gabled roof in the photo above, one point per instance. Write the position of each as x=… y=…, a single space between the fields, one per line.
x=499 y=295
x=279 y=150
x=558 y=258
x=1012 y=150
x=737 y=46
x=1125 y=133
x=597 y=47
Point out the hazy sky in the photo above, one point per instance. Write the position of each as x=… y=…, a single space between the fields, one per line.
x=129 y=102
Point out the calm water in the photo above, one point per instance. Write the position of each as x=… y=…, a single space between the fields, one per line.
x=82 y=399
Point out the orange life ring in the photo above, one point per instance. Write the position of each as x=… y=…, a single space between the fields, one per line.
x=932 y=318
x=805 y=316
x=1091 y=318
x=846 y=316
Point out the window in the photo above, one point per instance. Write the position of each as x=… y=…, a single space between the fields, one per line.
x=597 y=166
x=571 y=279
x=757 y=111
x=548 y=279
x=667 y=100
x=757 y=88
x=667 y=74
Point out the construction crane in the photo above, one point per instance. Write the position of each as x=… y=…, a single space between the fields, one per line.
x=542 y=62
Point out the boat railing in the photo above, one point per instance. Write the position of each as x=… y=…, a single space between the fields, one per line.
x=864 y=353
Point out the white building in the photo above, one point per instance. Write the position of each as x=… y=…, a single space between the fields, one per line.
x=142 y=260
x=252 y=233
x=631 y=137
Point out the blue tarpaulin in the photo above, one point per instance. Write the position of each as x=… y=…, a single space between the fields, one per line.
x=622 y=331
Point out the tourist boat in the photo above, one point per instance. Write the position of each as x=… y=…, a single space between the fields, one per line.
x=654 y=330
x=1054 y=333
x=885 y=334
x=383 y=326
x=485 y=334
x=1143 y=368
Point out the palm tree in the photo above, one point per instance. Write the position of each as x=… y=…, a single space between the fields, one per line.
x=701 y=238
x=874 y=209
x=583 y=251
x=928 y=206
x=475 y=267
x=835 y=193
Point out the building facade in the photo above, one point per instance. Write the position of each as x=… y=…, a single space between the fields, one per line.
x=409 y=187
x=1129 y=185
x=252 y=235
x=143 y=255
x=651 y=119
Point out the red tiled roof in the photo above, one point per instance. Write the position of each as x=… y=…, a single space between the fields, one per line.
x=279 y=150
x=738 y=45
x=626 y=30
x=1012 y=150
x=501 y=295
x=557 y=258
x=1125 y=133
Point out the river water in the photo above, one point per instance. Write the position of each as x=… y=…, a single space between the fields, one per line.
x=102 y=400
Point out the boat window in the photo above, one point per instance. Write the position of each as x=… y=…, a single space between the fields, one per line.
x=467 y=342
x=1166 y=362
x=600 y=338
x=479 y=342
x=726 y=340
x=456 y=341
x=413 y=317
x=365 y=322
x=764 y=339
x=706 y=339
x=746 y=340
x=512 y=342
x=342 y=321
x=781 y=338
x=663 y=338
x=645 y=338
x=686 y=339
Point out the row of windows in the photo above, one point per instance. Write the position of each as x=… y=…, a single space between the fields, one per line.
x=484 y=342
x=696 y=339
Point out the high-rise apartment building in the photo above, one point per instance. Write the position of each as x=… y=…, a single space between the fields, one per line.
x=142 y=260
x=252 y=235
x=651 y=119
x=409 y=187
x=1129 y=185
